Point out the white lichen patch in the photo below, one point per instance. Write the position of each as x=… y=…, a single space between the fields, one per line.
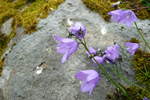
x=70 y=23
x=39 y=70
x=50 y=49
x=104 y=29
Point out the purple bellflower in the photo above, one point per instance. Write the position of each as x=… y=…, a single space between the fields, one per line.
x=98 y=59
x=89 y=78
x=145 y=98
x=115 y=15
x=112 y=54
x=78 y=30
x=66 y=46
x=132 y=47
x=126 y=16
x=92 y=51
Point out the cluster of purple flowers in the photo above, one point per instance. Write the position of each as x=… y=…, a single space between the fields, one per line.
x=111 y=55
x=68 y=46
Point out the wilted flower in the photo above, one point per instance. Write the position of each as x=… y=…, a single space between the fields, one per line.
x=145 y=98
x=132 y=47
x=98 y=59
x=115 y=15
x=112 y=54
x=92 y=51
x=89 y=78
x=66 y=46
x=78 y=30
x=127 y=17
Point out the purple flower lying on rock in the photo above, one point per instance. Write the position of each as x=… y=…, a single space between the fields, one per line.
x=132 y=47
x=92 y=51
x=120 y=16
x=145 y=98
x=66 y=46
x=98 y=59
x=78 y=30
x=112 y=54
x=89 y=78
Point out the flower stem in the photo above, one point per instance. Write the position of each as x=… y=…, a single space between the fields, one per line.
x=142 y=35
x=127 y=81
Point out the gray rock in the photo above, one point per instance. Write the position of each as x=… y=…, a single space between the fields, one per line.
x=6 y=27
x=33 y=69
x=14 y=40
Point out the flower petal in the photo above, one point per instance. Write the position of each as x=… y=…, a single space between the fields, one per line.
x=65 y=57
x=76 y=28
x=98 y=59
x=92 y=51
x=58 y=38
x=85 y=87
x=81 y=75
x=61 y=48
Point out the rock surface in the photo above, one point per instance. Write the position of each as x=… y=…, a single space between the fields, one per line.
x=6 y=27
x=33 y=69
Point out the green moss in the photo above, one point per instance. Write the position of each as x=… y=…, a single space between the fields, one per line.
x=142 y=60
x=1 y=65
x=134 y=40
x=118 y=95
x=9 y=9
x=38 y=9
x=104 y=6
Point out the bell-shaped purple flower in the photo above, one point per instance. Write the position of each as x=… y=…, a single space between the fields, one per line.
x=92 y=51
x=89 y=78
x=145 y=98
x=132 y=47
x=98 y=59
x=78 y=30
x=115 y=15
x=112 y=54
x=120 y=16
x=127 y=17
x=66 y=46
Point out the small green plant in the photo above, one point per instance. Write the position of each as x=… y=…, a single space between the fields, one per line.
x=142 y=60
x=118 y=95
x=146 y=3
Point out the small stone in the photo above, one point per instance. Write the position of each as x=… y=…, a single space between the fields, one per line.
x=6 y=27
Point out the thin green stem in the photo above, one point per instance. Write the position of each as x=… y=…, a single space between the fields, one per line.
x=117 y=71
x=126 y=80
x=142 y=35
